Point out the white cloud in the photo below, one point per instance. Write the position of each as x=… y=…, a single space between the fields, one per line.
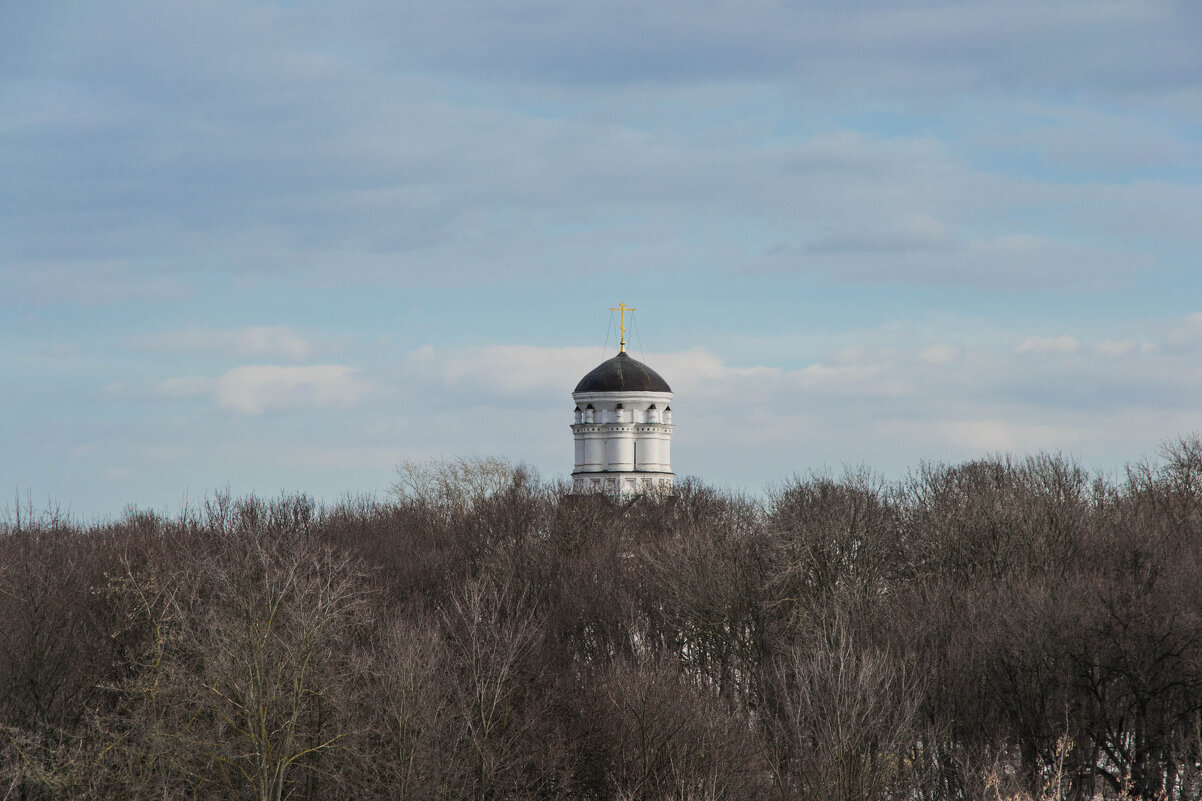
x=258 y=340
x=1060 y=344
x=1186 y=335
x=118 y=473
x=1116 y=349
x=889 y=400
x=940 y=353
x=878 y=48
x=885 y=402
x=88 y=280
x=1016 y=262
x=184 y=386
x=541 y=372
x=990 y=436
x=911 y=233
x=504 y=369
x=254 y=389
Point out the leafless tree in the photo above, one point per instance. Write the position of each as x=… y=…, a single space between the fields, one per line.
x=245 y=649
x=670 y=739
x=492 y=637
x=848 y=717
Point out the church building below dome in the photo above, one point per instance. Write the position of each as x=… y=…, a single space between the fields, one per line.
x=623 y=427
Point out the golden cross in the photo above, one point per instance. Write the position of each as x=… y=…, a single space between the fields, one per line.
x=622 y=307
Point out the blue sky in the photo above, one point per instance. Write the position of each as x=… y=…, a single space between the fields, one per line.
x=285 y=246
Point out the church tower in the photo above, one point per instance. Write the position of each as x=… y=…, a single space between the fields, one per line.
x=623 y=427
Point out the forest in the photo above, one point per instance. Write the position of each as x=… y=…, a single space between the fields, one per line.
x=1008 y=628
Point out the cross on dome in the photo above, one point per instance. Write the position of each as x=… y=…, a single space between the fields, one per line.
x=623 y=308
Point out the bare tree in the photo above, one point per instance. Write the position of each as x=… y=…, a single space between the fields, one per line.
x=492 y=636
x=669 y=739
x=848 y=716
x=404 y=706
x=246 y=649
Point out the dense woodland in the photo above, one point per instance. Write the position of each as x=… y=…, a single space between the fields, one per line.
x=999 y=629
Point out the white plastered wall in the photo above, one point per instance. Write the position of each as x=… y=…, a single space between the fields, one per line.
x=625 y=439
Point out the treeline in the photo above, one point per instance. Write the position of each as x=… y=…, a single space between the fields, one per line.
x=998 y=629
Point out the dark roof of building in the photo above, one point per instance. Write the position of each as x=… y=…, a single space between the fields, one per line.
x=622 y=374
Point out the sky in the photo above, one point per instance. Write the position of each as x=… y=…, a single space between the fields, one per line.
x=287 y=246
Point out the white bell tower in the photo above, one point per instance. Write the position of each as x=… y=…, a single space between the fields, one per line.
x=623 y=427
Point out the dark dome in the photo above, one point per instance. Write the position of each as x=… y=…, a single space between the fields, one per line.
x=622 y=374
